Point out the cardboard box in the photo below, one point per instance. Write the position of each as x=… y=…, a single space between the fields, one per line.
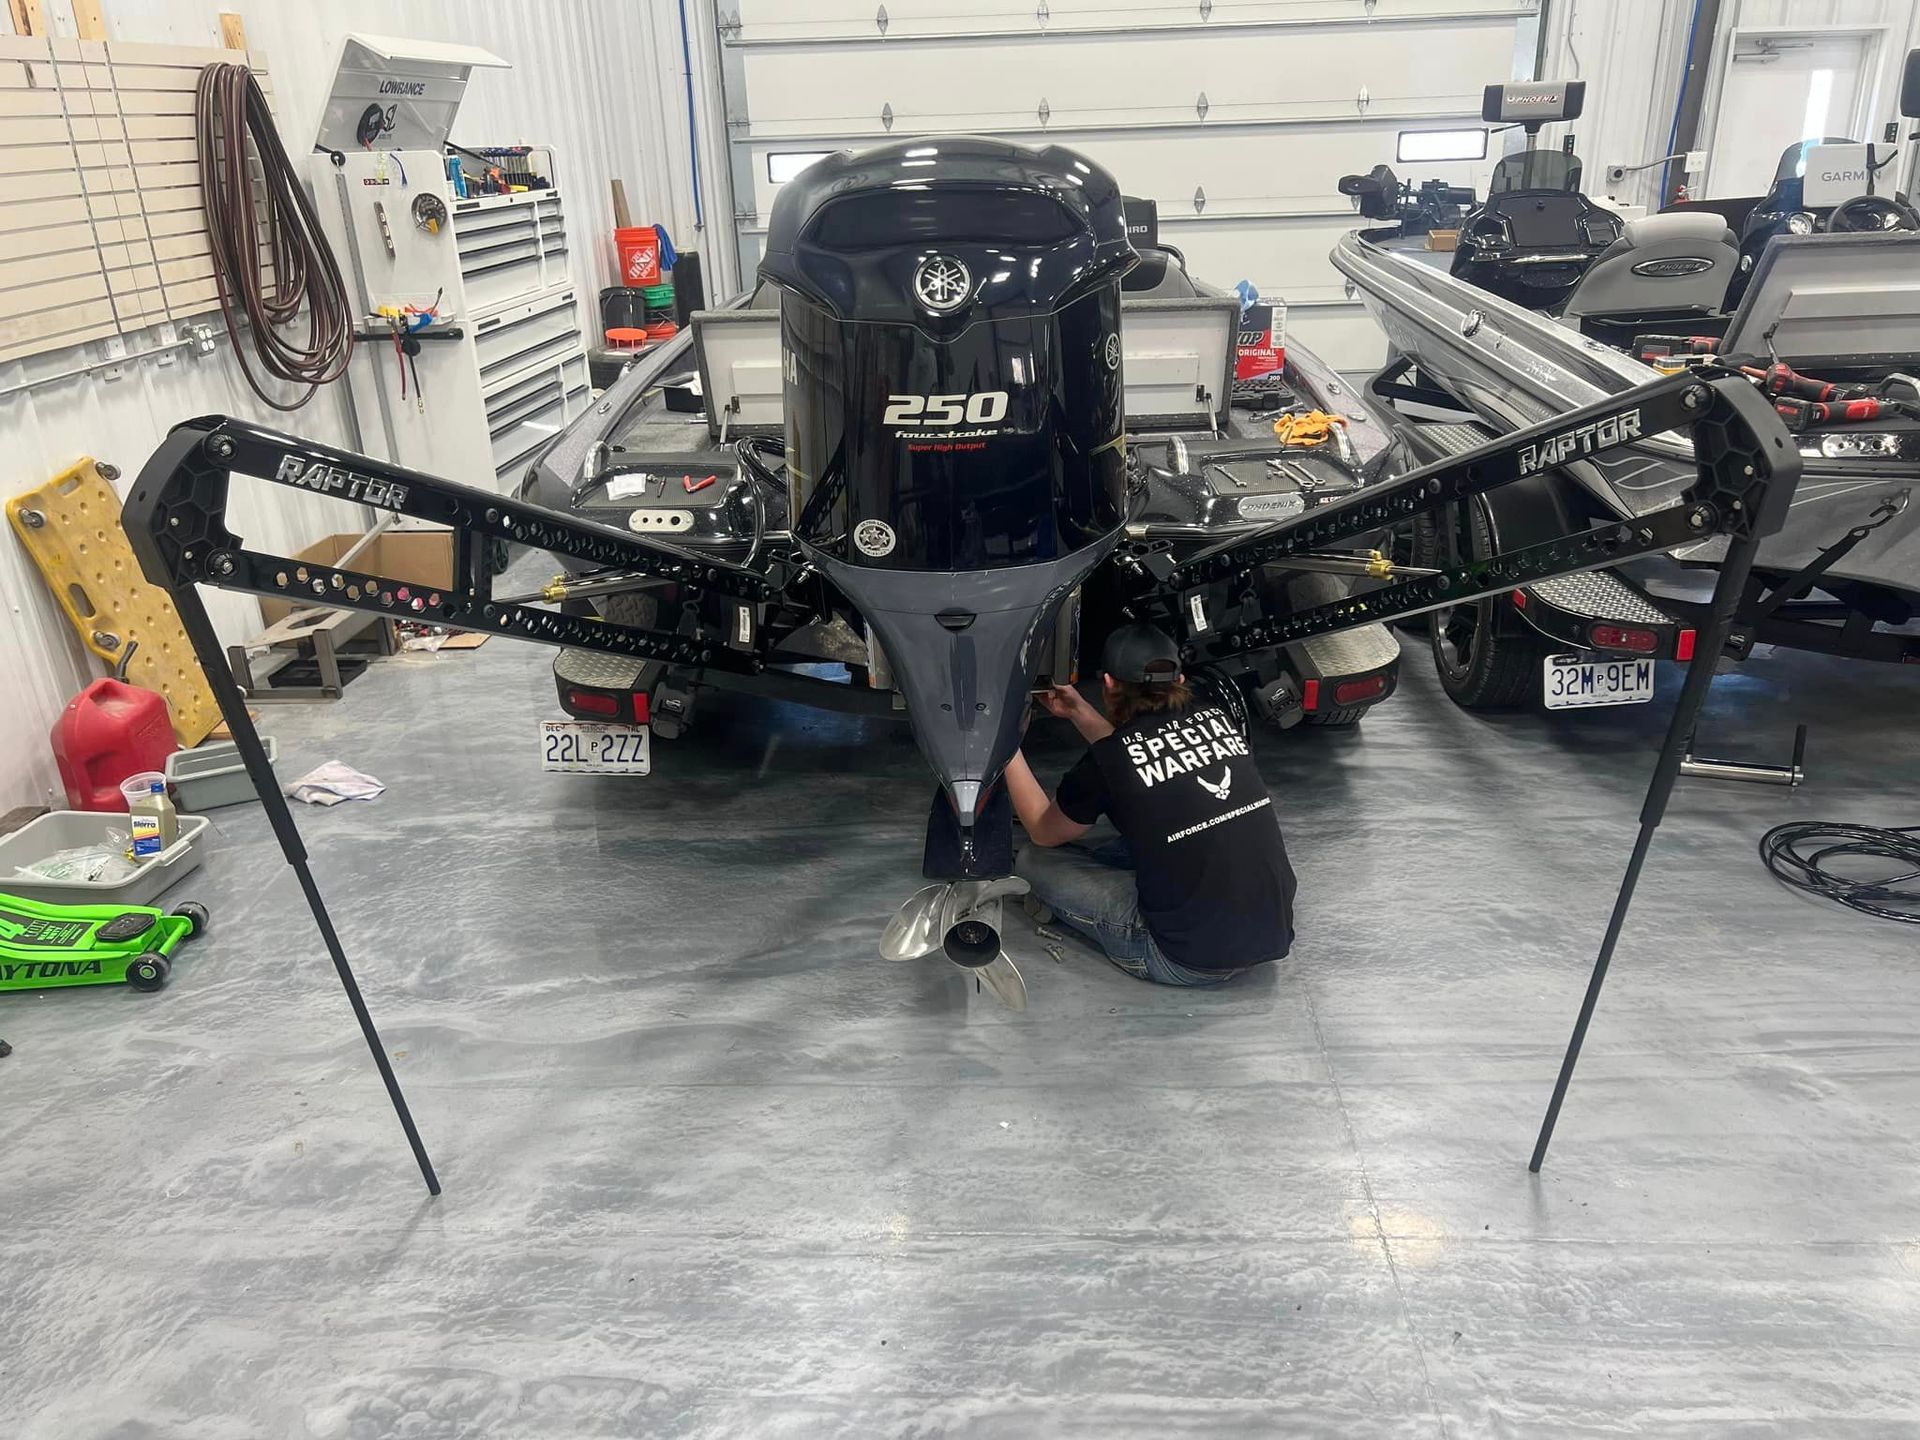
x=1443 y=240
x=419 y=557
x=1263 y=342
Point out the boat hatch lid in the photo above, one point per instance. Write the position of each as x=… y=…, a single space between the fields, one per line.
x=1838 y=300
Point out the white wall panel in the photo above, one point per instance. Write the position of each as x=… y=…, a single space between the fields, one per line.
x=598 y=79
x=998 y=84
x=1632 y=53
x=1296 y=93
x=809 y=21
x=1892 y=26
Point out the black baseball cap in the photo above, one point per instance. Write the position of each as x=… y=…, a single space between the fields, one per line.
x=1141 y=655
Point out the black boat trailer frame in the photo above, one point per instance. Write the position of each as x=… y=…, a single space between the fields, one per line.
x=176 y=517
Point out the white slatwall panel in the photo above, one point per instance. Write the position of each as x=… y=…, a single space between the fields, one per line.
x=600 y=80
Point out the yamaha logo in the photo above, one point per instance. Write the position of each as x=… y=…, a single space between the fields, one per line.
x=942 y=283
x=1113 y=352
x=1673 y=267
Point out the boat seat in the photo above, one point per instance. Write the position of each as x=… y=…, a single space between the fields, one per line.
x=1661 y=264
x=1160 y=275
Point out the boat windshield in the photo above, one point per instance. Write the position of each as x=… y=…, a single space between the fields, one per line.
x=1793 y=160
x=1535 y=170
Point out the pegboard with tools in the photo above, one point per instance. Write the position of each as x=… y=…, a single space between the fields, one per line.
x=101 y=229
x=71 y=528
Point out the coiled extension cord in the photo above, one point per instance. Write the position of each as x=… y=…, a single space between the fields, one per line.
x=231 y=116
x=1798 y=855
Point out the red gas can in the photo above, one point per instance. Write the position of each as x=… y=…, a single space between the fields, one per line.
x=110 y=730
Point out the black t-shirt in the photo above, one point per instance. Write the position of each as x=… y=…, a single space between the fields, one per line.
x=1215 y=887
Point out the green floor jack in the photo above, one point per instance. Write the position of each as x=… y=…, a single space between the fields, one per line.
x=44 y=945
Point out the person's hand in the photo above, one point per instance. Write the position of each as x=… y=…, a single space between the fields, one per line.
x=1063 y=702
x=1070 y=705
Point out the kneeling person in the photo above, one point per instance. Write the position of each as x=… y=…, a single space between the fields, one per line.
x=1197 y=888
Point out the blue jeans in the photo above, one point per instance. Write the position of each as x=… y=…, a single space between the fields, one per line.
x=1089 y=887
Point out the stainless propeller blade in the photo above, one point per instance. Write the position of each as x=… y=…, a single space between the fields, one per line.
x=1004 y=980
x=918 y=927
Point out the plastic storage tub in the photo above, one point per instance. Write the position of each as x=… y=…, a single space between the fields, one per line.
x=213 y=775
x=67 y=829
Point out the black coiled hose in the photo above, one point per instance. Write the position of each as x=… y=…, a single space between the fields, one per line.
x=231 y=117
x=1799 y=854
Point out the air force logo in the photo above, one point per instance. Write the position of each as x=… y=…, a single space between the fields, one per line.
x=1218 y=789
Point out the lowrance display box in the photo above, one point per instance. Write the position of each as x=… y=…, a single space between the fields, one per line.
x=1262 y=349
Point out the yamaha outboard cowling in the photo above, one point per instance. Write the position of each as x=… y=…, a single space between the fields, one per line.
x=950 y=320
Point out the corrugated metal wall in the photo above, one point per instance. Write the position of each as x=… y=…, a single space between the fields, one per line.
x=601 y=80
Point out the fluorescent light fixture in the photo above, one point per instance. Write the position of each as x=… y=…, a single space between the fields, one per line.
x=783 y=165
x=1428 y=146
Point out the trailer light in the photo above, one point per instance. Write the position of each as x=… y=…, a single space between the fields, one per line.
x=1310 y=695
x=1683 y=648
x=642 y=708
x=1621 y=637
x=593 y=702
x=1359 y=692
x=1519 y=599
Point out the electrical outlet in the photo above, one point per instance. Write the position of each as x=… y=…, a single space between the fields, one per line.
x=1616 y=175
x=1696 y=162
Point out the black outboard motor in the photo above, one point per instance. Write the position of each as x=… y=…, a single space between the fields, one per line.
x=950 y=321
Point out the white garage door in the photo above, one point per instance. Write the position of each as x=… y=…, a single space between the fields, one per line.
x=1237 y=116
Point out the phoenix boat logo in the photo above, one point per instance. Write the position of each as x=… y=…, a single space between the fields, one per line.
x=1599 y=435
x=942 y=283
x=1673 y=267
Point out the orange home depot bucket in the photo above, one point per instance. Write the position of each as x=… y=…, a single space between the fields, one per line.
x=639 y=250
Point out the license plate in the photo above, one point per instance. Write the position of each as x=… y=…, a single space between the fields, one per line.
x=1570 y=683
x=581 y=747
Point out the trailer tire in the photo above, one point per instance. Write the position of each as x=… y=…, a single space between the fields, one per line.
x=1342 y=719
x=1485 y=660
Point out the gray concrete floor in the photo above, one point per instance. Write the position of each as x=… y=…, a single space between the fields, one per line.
x=712 y=1169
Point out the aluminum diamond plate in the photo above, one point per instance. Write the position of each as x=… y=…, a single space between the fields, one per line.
x=1600 y=595
x=598 y=671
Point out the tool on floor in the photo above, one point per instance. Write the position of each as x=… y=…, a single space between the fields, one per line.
x=1700 y=767
x=44 y=946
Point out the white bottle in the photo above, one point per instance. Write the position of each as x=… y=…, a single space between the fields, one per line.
x=156 y=824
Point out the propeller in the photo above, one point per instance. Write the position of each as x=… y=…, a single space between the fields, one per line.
x=961 y=919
